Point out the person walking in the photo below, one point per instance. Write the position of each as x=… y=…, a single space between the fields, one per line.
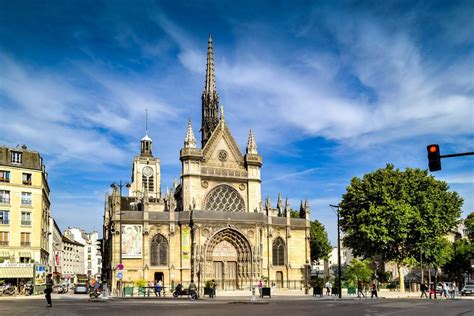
x=192 y=290
x=423 y=289
x=260 y=286
x=48 y=290
x=328 y=287
x=374 y=291
x=157 y=288
x=213 y=288
x=433 y=291
x=360 y=289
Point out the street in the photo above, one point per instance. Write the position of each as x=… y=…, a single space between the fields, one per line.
x=306 y=305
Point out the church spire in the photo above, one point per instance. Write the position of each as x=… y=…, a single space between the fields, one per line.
x=251 y=144
x=189 y=140
x=210 y=98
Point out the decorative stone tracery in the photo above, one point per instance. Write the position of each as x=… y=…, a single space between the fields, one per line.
x=224 y=198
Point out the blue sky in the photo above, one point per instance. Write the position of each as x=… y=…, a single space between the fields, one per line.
x=332 y=90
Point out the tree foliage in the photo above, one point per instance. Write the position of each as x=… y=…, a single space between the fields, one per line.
x=358 y=270
x=319 y=242
x=469 y=223
x=463 y=252
x=397 y=213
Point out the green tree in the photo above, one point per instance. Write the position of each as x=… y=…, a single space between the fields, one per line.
x=396 y=213
x=358 y=270
x=319 y=242
x=460 y=261
x=469 y=223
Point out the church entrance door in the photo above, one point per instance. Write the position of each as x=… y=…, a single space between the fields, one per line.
x=228 y=260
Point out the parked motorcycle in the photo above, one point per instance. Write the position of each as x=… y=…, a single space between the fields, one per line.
x=94 y=293
x=8 y=289
x=180 y=291
x=29 y=288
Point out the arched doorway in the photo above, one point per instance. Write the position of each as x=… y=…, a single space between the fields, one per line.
x=229 y=260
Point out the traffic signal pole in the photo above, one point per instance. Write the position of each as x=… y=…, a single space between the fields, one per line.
x=434 y=156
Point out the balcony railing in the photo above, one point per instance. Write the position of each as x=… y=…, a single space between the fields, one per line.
x=3 y=242
x=25 y=244
x=27 y=182
x=26 y=223
x=3 y=179
x=5 y=221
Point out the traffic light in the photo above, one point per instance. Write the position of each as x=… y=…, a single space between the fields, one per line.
x=434 y=157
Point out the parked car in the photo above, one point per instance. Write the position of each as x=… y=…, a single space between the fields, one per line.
x=468 y=289
x=81 y=289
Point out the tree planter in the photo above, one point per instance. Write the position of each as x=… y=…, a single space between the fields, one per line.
x=266 y=291
x=317 y=291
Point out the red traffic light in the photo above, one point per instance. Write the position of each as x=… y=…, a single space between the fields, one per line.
x=433 y=148
x=434 y=157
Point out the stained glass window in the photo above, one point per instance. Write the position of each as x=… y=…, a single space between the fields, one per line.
x=159 y=251
x=224 y=198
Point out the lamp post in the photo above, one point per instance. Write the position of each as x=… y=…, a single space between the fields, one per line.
x=339 y=283
x=120 y=185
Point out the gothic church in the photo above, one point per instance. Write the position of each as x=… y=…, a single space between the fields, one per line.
x=212 y=224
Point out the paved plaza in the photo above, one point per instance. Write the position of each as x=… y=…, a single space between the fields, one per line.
x=279 y=305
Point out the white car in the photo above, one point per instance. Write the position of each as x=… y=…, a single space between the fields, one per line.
x=81 y=289
x=468 y=289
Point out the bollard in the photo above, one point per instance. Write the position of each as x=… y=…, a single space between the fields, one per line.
x=105 y=291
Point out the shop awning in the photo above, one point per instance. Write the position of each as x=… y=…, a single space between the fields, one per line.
x=16 y=272
x=4 y=254
x=25 y=254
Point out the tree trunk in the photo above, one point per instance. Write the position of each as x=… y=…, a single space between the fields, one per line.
x=402 y=278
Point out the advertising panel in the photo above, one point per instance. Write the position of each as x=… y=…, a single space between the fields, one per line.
x=40 y=274
x=132 y=240
x=186 y=243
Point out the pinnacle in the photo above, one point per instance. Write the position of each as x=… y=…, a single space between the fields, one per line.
x=189 y=139
x=252 y=144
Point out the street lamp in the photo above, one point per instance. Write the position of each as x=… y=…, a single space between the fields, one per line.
x=120 y=185
x=339 y=283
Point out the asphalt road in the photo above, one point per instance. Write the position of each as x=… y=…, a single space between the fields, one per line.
x=68 y=305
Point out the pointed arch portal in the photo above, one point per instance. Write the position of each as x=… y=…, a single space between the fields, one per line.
x=228 y=260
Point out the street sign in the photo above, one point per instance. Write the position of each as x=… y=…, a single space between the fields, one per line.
x=120 y=266
x=119 y=275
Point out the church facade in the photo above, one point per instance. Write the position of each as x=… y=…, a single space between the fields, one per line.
x=212 y=224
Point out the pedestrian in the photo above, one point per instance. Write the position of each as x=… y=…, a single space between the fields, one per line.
x=455 y=290
x=360 y=289
x=260 y=286
x=444 y=290
x=158 y=288
x=374 y=291
x=48 y=290
x=328 y=287
x=192 y=290
x=433 y=290
x=423 y=289
x=213 y=288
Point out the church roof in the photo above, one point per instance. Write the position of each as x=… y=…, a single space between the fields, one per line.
x=146 y=138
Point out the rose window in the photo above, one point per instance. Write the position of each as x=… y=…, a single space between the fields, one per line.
x=224 y=198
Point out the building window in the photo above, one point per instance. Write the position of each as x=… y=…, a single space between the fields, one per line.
x=278 y=252
x=26 y=218
x=224 y=198
x=89 y=249
x=4 y=197
x=3 y=238
x=89 y=265
x=25 y=198
x=26 y=178
x=25 y=239
x=4 y=217
x=4 y=176
x=15 y=157
x=159 y=251
x=148 y=183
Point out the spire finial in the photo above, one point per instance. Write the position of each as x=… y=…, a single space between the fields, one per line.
x=222 y=113
x=252 y=144
x=189 y=139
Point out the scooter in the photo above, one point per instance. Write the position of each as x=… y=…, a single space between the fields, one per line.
x=8 y=289
x=180 y=291
x=29 y=289
x=94 y=293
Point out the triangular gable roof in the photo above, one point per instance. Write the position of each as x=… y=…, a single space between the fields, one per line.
x=222 y=131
